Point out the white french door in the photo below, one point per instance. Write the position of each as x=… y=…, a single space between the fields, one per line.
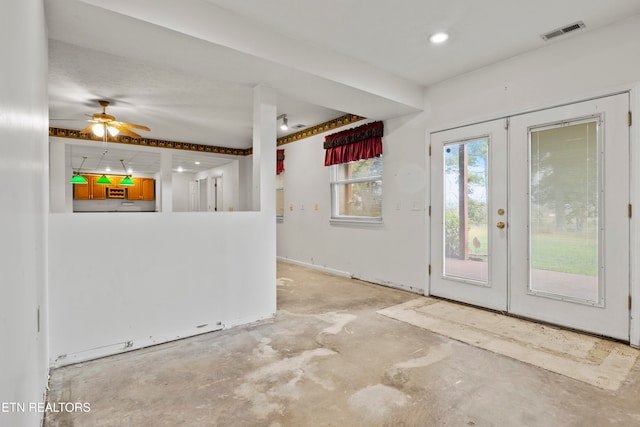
x=533 y=220
x=469 y=196
x=569 y=227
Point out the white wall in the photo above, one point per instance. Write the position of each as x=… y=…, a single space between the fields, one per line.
x=23 y=222
x=391 y=254
x=181 y=193
x=146 y=278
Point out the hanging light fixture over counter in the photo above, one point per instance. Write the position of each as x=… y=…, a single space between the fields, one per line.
x=77 y=178
x=127 y=179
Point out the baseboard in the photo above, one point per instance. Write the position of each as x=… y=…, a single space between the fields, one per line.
x=341 y=273
x=315 y=267
x=137 y=344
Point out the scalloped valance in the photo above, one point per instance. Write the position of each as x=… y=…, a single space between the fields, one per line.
x=362 y=142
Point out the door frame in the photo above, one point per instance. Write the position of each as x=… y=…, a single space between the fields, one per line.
x=634 y=188
x=634 y=232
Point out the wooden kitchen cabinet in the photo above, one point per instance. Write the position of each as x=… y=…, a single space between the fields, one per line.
x=144 y=189
x=82 y=191
x=148 y=188
x=91 y=190
x=99 y=190
x=133 y=193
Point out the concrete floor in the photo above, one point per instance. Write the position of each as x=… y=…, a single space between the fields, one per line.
x=329 y=359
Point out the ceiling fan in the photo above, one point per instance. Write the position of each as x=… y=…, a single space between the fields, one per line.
x=103 y=123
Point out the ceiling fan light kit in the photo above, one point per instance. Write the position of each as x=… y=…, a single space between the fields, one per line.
x=98 y=130
x=103 y=123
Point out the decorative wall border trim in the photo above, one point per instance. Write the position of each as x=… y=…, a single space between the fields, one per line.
x=347 y=119
x=148 y=142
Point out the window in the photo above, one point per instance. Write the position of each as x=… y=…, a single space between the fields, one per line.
x=280 y=196
x=356 y=190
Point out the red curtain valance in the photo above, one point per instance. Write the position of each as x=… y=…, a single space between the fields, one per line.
x=279 y=162
x=363 y=142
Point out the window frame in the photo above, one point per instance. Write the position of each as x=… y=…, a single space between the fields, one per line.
x=334 y=182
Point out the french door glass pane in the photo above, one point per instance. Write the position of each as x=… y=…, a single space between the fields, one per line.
x=466 y=232
x=564 y=211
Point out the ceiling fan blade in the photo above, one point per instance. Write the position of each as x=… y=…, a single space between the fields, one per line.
x=87 y=129
x=124 y=130
x=133 y=125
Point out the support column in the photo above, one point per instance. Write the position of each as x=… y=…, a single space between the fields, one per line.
x=166 y=176
x=264 y=149
x=58 y=181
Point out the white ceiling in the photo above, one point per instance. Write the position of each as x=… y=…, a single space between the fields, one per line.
x=187 y=69
x=392 y=35
x=101 y=158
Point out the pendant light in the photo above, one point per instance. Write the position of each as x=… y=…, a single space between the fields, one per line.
x=126 y=181
x=77 y=178
x=103 y=179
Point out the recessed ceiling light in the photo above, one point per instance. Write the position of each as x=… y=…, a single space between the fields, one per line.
x=439 y=37
x=180 y=169
x=197 y=163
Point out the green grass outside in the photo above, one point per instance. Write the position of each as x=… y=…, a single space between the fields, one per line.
x=564 y=252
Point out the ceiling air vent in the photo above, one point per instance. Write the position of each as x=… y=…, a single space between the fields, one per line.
x=298 y=126
x=564 y=30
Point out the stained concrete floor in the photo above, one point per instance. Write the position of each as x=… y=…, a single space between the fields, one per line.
x=328 y=359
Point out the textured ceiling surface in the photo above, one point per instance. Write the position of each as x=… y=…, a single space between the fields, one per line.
x=187 y=69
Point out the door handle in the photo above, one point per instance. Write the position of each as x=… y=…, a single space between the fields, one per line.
x=500 y=225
